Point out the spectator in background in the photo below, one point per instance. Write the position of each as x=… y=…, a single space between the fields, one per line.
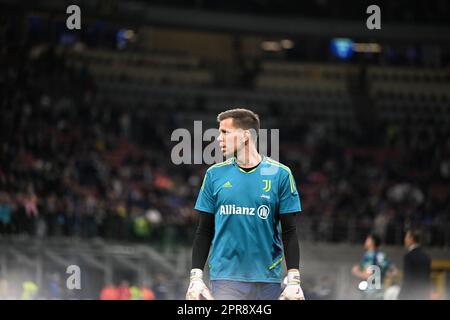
x=381 y=223
x=135 y=293
x=4 y=289
x=109 y=292
x=5 y=213
x=160 y=288
x=30 y=290
x=124 y=290
x=30 y=205
x=54 y=287
x=416 y=269
x=147 y=294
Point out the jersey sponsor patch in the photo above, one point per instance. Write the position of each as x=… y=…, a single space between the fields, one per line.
x=226 y=209
x=263 y=211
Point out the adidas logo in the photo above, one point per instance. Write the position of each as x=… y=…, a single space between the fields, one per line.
x=227 y=184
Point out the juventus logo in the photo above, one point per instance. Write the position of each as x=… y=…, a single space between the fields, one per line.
x=267 y=185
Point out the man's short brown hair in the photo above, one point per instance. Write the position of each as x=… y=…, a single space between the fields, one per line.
x=415 y=234
x=242 y=119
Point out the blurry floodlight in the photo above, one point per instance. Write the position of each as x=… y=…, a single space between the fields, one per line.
x=270 y=46
x=287 y=44
x=367 y=47
x=342 y=47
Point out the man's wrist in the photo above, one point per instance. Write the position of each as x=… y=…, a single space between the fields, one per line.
x=293 y=277
x=196 y=274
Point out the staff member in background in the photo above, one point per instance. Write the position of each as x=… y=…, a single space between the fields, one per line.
x=416 y=269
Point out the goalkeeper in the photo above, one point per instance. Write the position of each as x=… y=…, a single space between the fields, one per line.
x=241 y=204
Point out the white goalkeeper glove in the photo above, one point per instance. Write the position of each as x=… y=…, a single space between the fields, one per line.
x=293 y=291
x=197 y=288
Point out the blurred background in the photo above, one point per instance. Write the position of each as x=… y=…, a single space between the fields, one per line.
x=86 y=118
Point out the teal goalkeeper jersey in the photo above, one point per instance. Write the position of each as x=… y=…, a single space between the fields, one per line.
x=247 y=207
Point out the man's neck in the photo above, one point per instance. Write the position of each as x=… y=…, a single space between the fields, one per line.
x=248 y=158
x=413 y=246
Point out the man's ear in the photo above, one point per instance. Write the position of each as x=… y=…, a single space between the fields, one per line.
x=246 y=135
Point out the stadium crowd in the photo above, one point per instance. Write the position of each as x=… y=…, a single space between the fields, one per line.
x=73 y=163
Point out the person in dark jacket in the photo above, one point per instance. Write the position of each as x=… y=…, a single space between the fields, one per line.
x=416 y=269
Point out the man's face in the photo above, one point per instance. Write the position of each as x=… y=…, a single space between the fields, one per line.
x=408 y=241
x=231 y=139
x=369 y=244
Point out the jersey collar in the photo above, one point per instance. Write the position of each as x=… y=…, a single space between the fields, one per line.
x=263 y=159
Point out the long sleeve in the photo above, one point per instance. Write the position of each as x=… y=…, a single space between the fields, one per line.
x=290 y=240
x=202 y=240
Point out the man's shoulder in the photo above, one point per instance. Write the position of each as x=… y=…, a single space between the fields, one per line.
x=420 y=253
x=220 y=166
x=409 y=255
x=285 y=170
x=414 y=252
